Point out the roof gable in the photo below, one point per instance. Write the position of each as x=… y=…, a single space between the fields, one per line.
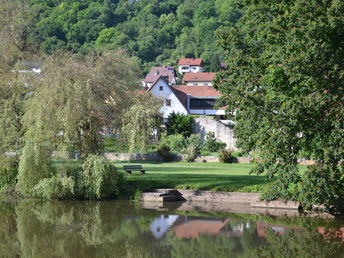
x=158 y=71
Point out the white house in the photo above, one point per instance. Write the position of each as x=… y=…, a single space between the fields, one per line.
x=199 y=79
x=171 y=103
x=190 y=65
x=186 y=99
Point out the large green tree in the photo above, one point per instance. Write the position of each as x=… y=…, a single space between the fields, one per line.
x=284 y=86
x=73 y=103
x=14 y=81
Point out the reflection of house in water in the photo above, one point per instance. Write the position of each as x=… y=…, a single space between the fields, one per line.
x=332 y=233
x=193 y=227
x=262 y=227
x=162 y=224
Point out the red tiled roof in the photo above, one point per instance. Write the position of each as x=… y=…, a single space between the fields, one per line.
x=141 y=92
x=158 y=71
x=191 y=61
x=197 y=91
x=198 y=77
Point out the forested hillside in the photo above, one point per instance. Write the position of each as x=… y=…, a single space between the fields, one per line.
x=157 y=32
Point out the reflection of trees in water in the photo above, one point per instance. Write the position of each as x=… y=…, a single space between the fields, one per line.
x=9 y=245
x=90 y=229
x=108 y=229
x=298 y=243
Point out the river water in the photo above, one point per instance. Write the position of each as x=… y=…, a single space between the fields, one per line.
x=126 y=229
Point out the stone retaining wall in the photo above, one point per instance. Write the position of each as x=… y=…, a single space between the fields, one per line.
x=179 y=157
x=223 y=132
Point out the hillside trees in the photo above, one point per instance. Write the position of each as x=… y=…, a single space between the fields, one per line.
x=284 y=84
x=158 y=32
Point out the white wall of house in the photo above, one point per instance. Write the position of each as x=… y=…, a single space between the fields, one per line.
x=190 y=69
x=170 y=102
x=200 y=83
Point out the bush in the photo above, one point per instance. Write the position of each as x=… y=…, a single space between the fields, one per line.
x=179 y=124
x=100 y=179
x=56 y=187
x=211 y=144
x=164 y=152
x=177 y=142
x=190 y=153
x=8 y=171
x=196 y=141
x=225 y=156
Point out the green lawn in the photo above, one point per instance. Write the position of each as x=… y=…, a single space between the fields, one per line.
x=200 y=176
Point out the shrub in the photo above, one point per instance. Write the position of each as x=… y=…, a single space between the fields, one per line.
x=177 y=142
x=8 y=171
x=164 y=152
x=211 y=144
x=190 y=153
x=100 y=179
x=196 y=141
x=179 y=124
x=225 y=156
x=56 y=187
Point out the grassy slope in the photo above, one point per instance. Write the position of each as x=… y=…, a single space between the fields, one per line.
x=201 y=176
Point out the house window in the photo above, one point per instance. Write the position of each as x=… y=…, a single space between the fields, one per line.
x=202 y=103
x=194 y=68
x=185 y=68
x=168 y=102
x=161 y=88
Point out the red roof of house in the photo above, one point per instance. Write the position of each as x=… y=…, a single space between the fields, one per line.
x=158 y=71
x=191 y=61
x=198 y=77
x=181 y=92
x=197 y=91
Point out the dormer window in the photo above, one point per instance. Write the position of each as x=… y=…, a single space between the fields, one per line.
x=161 y=88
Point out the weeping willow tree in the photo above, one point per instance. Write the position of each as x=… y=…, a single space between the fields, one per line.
x=72 y=104
x=141 y=121
x=14 y=84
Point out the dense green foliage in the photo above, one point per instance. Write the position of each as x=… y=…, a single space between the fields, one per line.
x=99 y=179
x=211 y=144
x=178 y=123
x=96 y=179
x=154 y=31
x=225 y=156
x=284 y=84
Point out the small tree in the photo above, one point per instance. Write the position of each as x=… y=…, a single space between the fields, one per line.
x=141 y=121
x=179 y=124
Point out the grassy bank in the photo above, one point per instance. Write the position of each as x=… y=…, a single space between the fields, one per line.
x=197 y=176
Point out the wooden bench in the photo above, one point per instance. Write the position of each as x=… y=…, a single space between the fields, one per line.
x=130 y=168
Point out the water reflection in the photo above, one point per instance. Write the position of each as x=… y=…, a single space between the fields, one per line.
x=110 y=229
